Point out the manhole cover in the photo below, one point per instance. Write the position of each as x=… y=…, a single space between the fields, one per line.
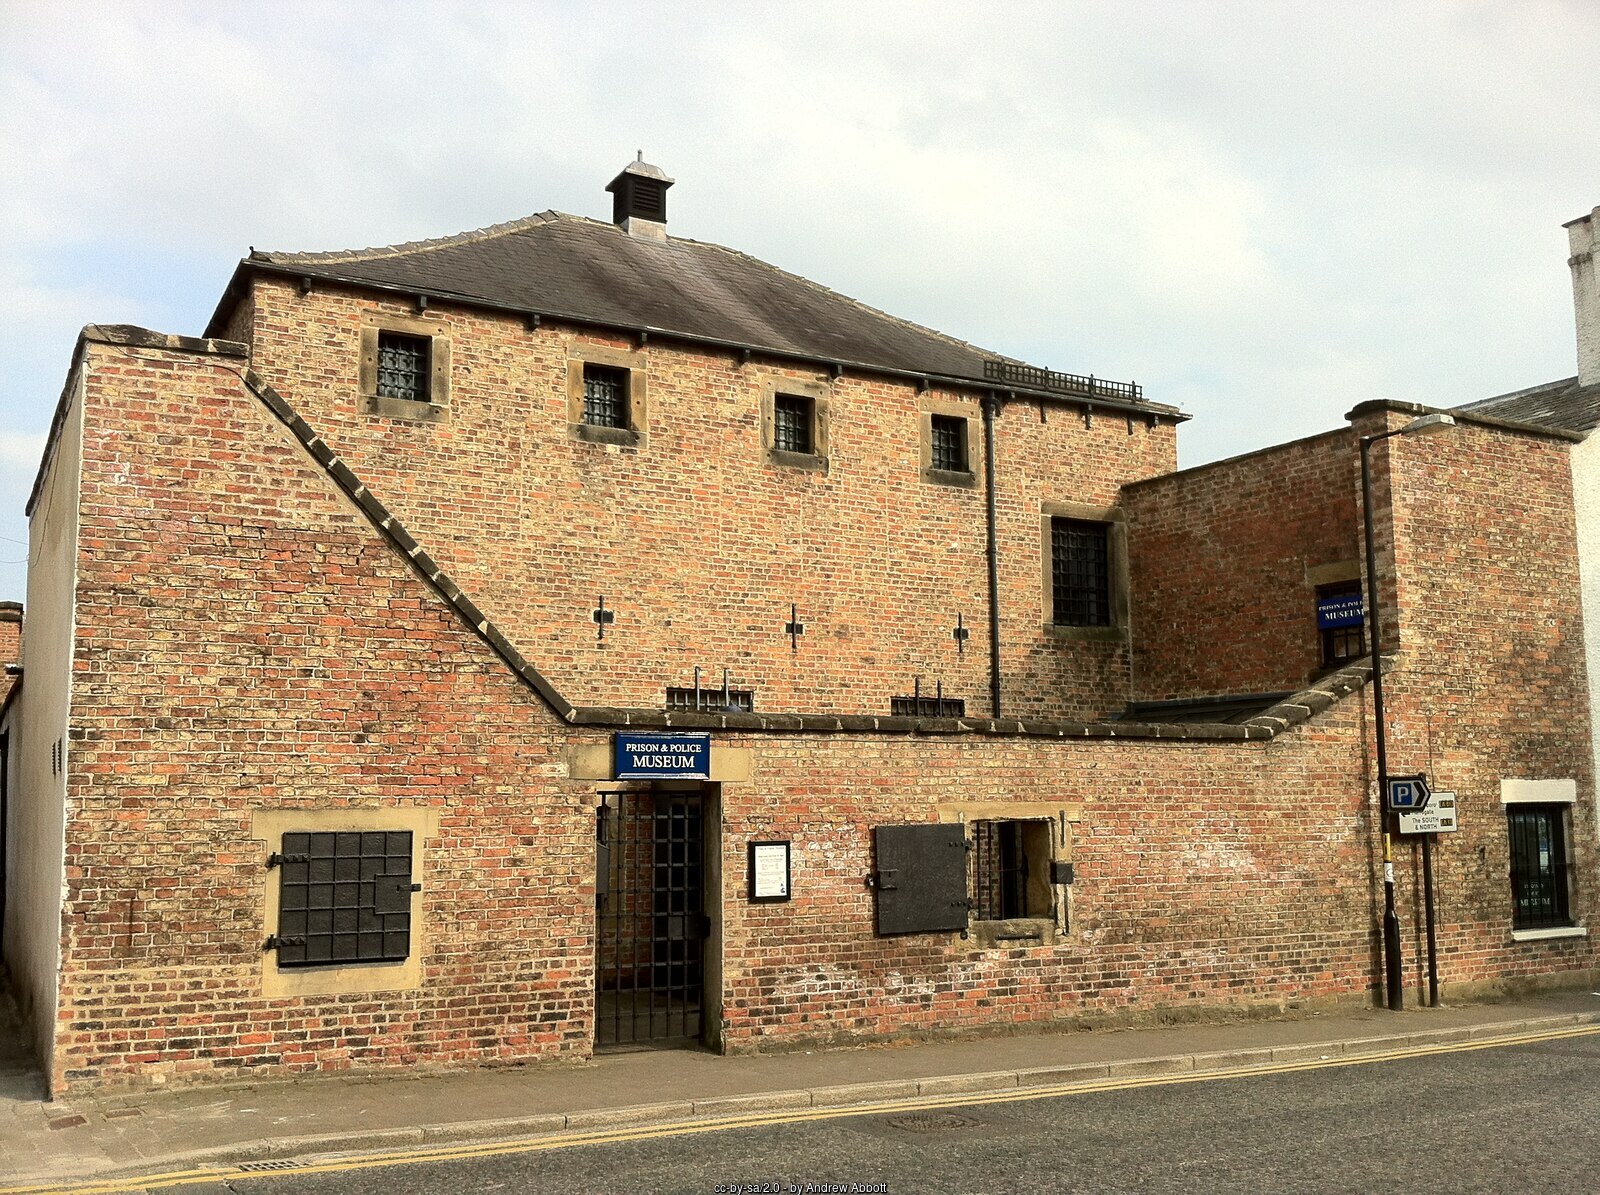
x=932 y=1122
x=267 y=1166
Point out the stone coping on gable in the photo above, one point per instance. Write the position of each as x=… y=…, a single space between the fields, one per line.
x=1297 y=708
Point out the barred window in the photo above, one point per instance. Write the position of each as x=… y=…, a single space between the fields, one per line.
x=716 y=701
x=793 y=417
x=1342 y=644
x=1538 y=866
x=344 y=897
x=949 y=444
x=1010 y=869
x=928 y=707
x=1080 y=569
x=404 y=366
x=605 y=396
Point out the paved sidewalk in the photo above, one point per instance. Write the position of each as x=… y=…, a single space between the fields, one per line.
x=85 y=1136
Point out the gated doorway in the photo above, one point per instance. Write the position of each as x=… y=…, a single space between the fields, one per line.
x=651 y=923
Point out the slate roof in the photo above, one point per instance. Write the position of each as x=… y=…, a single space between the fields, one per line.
x=1564 y=405
x=590 y=271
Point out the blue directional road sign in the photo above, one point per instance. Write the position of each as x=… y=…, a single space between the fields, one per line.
x=1408 y=794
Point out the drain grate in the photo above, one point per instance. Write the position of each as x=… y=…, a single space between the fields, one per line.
x=267 y=1166
x=932 y=1122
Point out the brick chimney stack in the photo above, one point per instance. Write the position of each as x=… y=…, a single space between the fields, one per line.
x=1586 y=295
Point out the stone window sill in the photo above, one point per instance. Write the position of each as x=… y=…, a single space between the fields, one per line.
x=624 y=437
x=797 y=460
x=404 y=408
x=1555 y=931
x=1016 y=933
x=1111 y=634
x=955 y=477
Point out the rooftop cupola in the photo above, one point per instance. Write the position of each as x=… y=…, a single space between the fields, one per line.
x=639 y=199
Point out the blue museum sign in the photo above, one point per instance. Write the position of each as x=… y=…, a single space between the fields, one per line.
x=658 y=756
x=1346 y=610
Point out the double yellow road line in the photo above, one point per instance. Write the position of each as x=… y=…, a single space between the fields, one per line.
x=491 y=1149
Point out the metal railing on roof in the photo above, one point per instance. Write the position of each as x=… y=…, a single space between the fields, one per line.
x=1014 y=373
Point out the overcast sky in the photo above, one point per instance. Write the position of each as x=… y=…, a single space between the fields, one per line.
x=1264 y=212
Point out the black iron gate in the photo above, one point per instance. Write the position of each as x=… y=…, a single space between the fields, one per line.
x=651 y=920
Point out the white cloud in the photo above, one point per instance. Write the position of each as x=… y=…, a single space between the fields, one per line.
x=1264 y=212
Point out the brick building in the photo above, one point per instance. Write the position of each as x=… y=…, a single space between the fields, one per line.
x=566 y=634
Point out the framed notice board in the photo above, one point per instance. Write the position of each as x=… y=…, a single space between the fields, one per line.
x=769 y=872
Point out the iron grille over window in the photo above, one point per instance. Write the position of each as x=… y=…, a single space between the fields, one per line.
x=344 y=898
x=999 y=871
x=716 y=701
x=928 y=707
x=605 y=396
x=1538 y=866
x=1080 y=567
x=403 y=366
x=791 y=423
x=949 y=434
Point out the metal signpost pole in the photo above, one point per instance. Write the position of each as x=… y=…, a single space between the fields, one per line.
x=1391 y=922
x=1433 y=940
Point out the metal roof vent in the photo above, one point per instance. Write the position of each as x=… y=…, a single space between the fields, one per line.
x=639 y=199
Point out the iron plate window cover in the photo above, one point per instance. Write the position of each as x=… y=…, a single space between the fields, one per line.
x=791 y=423
x=605 y=396
x=1538 y=866
x=403 y=366
x=343 y=897
x=949 y=443
x=1080 y=568
x=920 y=881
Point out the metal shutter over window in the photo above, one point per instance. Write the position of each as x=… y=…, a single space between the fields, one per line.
x=345 y=897
x=921 y=878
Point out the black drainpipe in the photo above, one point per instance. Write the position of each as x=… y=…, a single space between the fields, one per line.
x=991 y=405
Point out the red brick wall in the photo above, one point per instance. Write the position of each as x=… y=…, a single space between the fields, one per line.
x=10 y=647
x=246 y=641
x=1489 y=682
x=1215 y=874
x=700 y=545
x=1223 y=599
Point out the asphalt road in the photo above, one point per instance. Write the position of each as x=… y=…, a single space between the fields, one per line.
x=1515 y=1119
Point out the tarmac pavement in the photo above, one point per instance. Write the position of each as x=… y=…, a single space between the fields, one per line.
x=44 y=1142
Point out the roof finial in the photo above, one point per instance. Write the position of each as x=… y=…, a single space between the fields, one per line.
x=640 y=155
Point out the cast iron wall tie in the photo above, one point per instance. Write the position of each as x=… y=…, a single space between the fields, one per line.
x=794 y=628
x=603 y=618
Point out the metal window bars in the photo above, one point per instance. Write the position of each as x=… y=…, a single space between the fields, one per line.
x=1539 y=881
x=999 y=878
x=1080 y=568
x=948 y=443
x=403 y=366
x=791 y=423
x=605 y=396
